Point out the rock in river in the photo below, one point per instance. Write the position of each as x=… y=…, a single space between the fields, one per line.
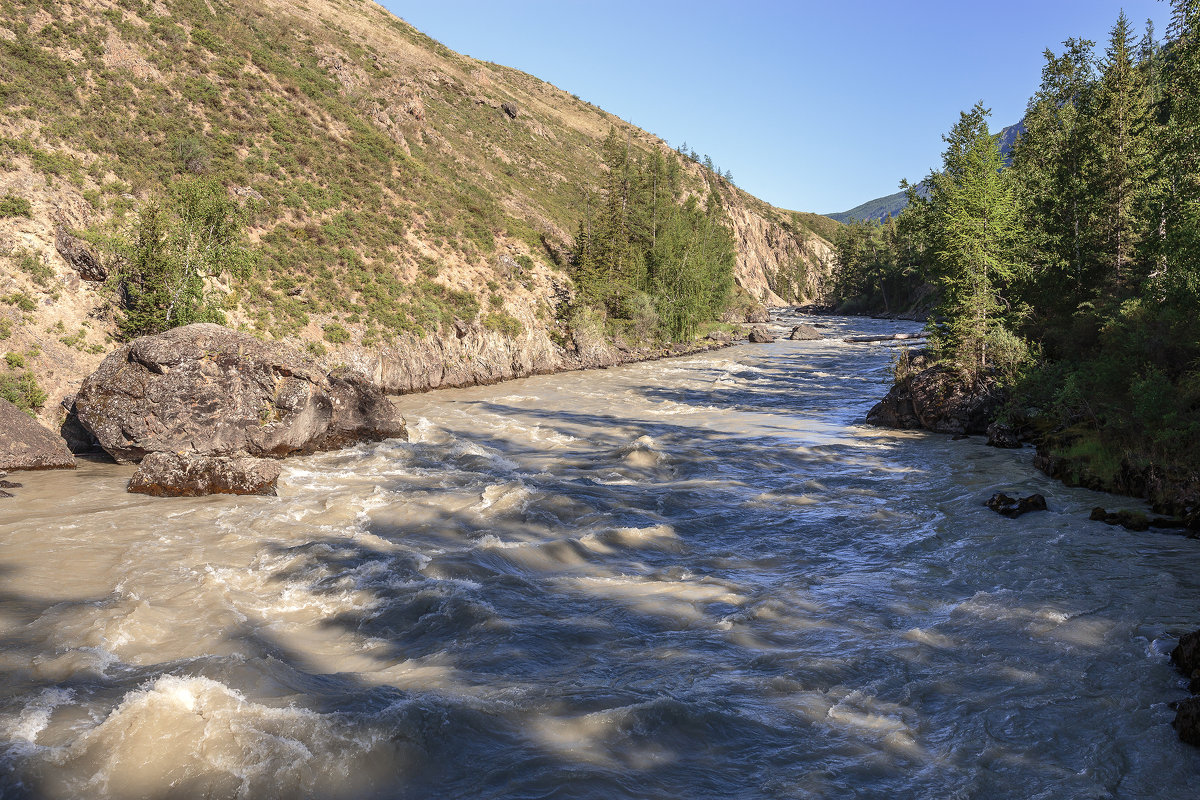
x=760 y=335
x=805 y=333
x=212 y=391
x=1012 y=508
x=190 y=475
x=24 y=444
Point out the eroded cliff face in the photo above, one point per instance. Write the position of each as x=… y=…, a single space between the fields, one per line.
x=777 y=265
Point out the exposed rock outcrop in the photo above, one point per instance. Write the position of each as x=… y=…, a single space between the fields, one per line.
x=191 y=475
x=77 y=253
x=937 y=399
x=24 y=444
x=209 y=390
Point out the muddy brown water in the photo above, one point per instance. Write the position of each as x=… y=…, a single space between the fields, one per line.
x=693 y=578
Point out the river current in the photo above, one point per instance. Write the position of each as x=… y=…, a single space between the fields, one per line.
x=692 y=578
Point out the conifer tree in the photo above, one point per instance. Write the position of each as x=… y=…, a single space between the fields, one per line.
x=974 y=221
x=1122 y=120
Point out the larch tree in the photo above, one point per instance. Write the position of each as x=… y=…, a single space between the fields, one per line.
x=1121 y=130
x=974 y=224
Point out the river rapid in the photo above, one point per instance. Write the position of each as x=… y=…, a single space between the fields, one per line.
x=692 y=578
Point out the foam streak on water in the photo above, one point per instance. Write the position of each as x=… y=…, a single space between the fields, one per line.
x=690 y=578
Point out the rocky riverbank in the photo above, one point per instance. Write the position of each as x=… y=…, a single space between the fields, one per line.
x=204 y=409
x=934 y=397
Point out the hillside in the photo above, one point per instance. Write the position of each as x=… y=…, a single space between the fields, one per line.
x=882 y=207
x=409 y=209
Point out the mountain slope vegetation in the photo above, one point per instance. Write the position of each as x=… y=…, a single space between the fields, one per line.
x=385 y=189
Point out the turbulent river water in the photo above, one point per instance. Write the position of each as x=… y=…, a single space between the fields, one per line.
x=692 y=578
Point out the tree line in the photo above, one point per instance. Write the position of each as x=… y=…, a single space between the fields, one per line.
x=1073 y=274
x=654 y=259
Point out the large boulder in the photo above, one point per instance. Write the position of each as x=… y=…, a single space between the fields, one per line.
x=760 y=335
x=190 y=475
x=805 y=333
x=937 y=399
x=213 y=391
x=24 y=444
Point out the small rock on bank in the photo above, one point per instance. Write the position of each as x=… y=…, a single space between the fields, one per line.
x=24 y=444
x=191 y=475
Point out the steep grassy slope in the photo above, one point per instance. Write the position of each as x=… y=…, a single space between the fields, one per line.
x=395 y=189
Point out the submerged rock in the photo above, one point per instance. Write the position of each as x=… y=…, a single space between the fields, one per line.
x=1012 y=508
x=937 y=399
x=1129 y=520
x=213 y=391
x=24 y=444
x=191 y=475
x=805 y=333
x=760 y=335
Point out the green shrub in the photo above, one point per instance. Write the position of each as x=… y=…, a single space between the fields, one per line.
x=14 y=360
x=503 y=323
x=36 y=267
x=336 y=334
x=20 y=300
x=13 y=206
x=22 y=390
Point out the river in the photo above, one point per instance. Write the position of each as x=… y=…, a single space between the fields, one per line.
x=691 y=578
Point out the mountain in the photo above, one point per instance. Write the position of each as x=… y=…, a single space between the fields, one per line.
x=411 y=208
x=893 y=204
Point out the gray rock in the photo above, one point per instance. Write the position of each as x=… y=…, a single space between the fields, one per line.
x=191 y=475
x=805 y=333
x=510 y=108
x=24 y=444
x=1012 y=508
x=1001 y=435
x=761 y=335
x=209 y=390
x=77 y=253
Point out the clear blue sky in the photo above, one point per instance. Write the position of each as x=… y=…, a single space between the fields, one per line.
x=814 y=106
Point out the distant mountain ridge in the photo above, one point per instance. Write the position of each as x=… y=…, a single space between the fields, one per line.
x=891 y=205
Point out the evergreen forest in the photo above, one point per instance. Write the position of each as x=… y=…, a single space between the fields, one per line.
x=1070 y=278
